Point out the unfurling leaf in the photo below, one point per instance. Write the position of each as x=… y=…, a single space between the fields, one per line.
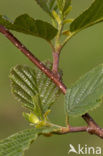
x=93 y=15
x=26 y=24
x=24 y=85
x=86 y=94
x=33 y=89
x=16 y=144
x=56 y=17
x=32 y=118
x=66 y=5
x=43 y=5
x=55 y=5
x=47 y=5
x=48 y=91
x=63 y=5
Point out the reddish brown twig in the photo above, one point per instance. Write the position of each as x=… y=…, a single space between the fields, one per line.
x=31 y=57
x=55 y=62
x=66 y=130
x=92 y=127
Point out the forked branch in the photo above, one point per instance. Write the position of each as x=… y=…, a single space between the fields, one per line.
x=92 y=127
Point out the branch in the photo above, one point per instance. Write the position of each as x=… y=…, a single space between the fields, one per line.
x=92 y=127
x=66 y=130
x=56 y=64
x=31 y=57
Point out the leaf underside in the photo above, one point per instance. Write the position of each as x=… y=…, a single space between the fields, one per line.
x=47 y=5
x=86 y=94
x=93 y=15
x=16 y=144
x=26 y=83
x=26 y=24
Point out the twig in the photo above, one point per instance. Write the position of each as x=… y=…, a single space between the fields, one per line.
x=66 y=130
x=31 y=57
x=92 y=127
x=56 y=64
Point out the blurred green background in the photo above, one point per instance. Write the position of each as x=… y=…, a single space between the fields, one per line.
x=83 y=52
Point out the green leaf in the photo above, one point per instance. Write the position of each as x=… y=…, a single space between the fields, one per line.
x=16 y=144
x=60 y=4
x=33 y=89
x=85 y=95
x=26 y=24
x=48 y=91
x=63 y=5
x=47 y=5
x=32 y=118
x=51 y=4
x=66 y=5
x=93 y=15
x=38 y=110
x=43 y=5
x=56 y=17
x=24 y=85
x=5 y=21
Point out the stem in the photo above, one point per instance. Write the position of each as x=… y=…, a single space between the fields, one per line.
x=55 y=63
x=66 y=130
x=69 y=129
x=78 y=129
x=31 y=57
x=60 y=27
x=56 y=52
x=92 y=127
x=89 y=120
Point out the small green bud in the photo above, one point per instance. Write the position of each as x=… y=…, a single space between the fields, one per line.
x=31 y=118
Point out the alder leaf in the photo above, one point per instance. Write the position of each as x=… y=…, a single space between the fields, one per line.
x=33 y=88
x=16 y=144
x=26 y=24
x=24 y=85
x=43 y=5
x=47 y=5
x=91 y=16
x=86 y=94
x=63 y=5
x=66 y=5
x=51 y=4
x=48 y=91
